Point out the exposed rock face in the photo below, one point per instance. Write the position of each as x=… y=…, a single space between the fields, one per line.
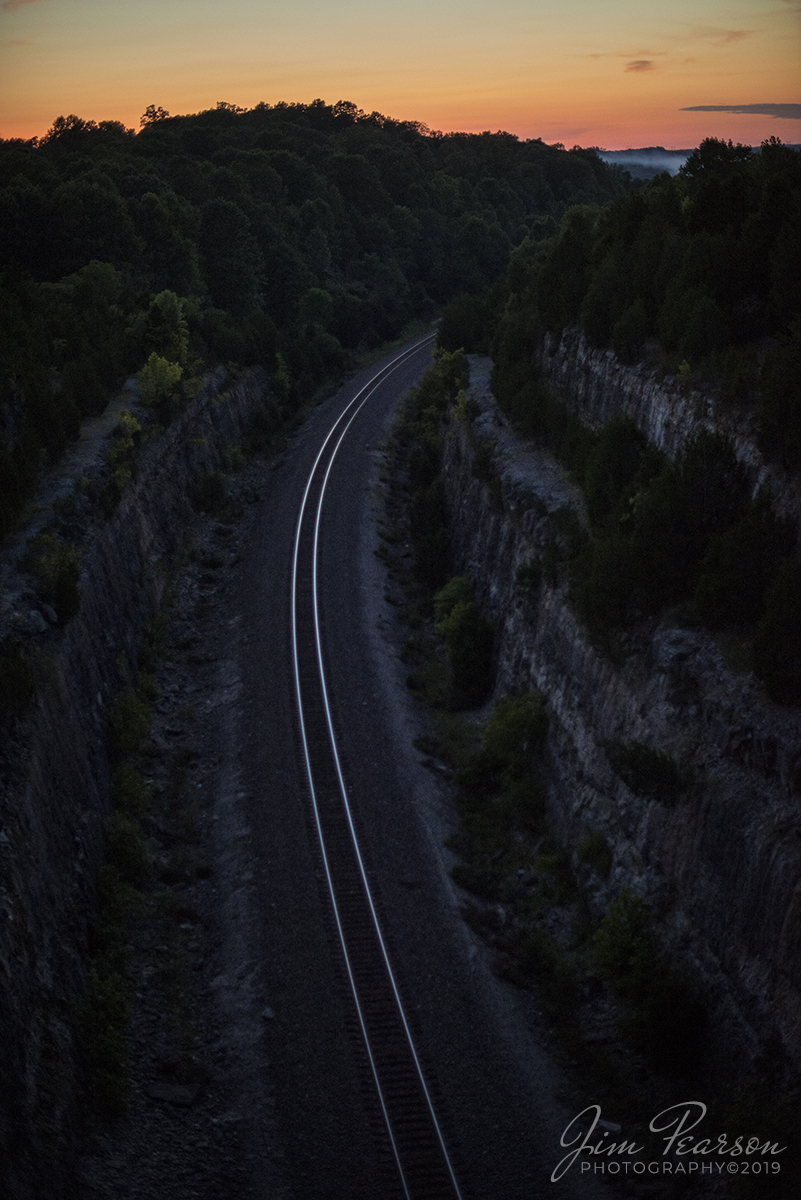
x=56 y=776
x=597 y=387
x=722 y=864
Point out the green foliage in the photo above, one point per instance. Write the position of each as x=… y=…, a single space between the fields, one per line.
x=706 y=264
x=739 y=566
x=664 y=1018
x=565 y=270
x=624 y=947
x=647 y=772
x=104 y=1022
x=671 y=532
x=58 y=570
x=129 y=791
x=166 y=333
x=514 y=730
x=468 y=637
x=126 y=849
x=121 y=454
x=129 y=724
x=467 y=322
x=465 y=410
x=307 y=231
x=158 y=379
x=425 y=409
x=458 y=589
x=614 y=470
x=497 y=788
x=540 y=962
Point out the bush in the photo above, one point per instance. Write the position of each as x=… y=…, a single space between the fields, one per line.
x=739 y=565
x=664 y=1018
x=466 y=324
x=629 y=333
x=613 y=466
x=129 y=790
x=468 y=640
x=129 y=724
x=126 y=849
x=58 y=572
x=543 y=964
x=105 y=1019
x=158 y=380
x=646 y=772
x=458 y=589
x=479 y=878
x=514 y=729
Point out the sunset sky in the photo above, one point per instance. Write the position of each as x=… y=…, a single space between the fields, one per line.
x=609 y=73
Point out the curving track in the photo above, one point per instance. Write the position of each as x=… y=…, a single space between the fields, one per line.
x=415 y=1138
x=402 y=1068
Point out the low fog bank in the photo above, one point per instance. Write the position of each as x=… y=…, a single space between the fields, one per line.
x=649 y=161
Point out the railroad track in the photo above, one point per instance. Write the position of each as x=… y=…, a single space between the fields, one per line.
x=404 y=1097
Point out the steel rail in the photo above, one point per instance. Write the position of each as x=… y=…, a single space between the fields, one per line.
x=342 y=425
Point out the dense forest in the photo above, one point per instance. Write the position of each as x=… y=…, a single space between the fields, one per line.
x=699 y=277
x=291 y=236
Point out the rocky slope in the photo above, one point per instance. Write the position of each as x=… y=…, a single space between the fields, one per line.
x=55 y=767
x=596 y=386
x=722 y=865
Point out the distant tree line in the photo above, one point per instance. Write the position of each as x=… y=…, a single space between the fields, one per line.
x=293 y=236
x=700 y=276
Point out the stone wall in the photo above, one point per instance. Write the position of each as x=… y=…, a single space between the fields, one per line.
x=597 y=387
x=56 y=794
x=722 y=865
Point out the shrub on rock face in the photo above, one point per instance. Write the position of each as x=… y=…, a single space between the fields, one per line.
x=129 y=724
x=58 y=571
x=663 y=1018
x=515 y=728
x=158 y=379
x=468 y=639
x=647 y=772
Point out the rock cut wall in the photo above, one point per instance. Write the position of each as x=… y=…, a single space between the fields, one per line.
x=722 y=865
x=596 y=386
x=56 y=798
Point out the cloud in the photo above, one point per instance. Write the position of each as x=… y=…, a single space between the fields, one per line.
x=13 y=5
x=736 y=35
x=790 y=112
x=640 y=64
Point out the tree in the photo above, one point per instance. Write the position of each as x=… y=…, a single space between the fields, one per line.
x=165 y=331
x=157 y=379
x=230 y=257
x=152 y=114
x=714 y=156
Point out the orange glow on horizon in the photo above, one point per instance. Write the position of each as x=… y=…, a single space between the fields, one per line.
x=616 y=76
